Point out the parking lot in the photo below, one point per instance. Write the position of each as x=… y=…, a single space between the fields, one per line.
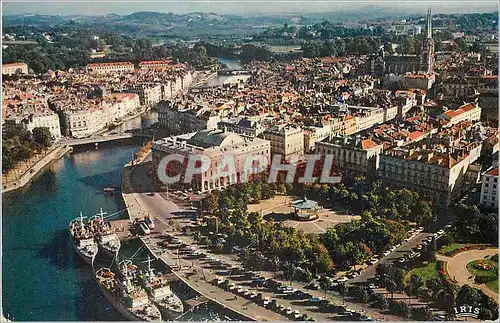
x=401 y=253
x=269 y=294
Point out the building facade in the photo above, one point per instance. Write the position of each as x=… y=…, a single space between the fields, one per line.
x=489 y=188
x=440 y=176
x=352 y=156
x=216 y=145
x=286 y=140
x=149 y=94
x=466 y=112
x=29 y=122
x=103 y=68
x=14 y=68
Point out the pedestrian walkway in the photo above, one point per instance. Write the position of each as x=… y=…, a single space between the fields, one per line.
x=457 y=268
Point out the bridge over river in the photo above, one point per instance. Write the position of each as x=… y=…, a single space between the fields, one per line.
x=94 y=140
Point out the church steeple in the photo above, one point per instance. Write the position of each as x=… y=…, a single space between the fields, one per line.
x=429 y=23
x=427 y=49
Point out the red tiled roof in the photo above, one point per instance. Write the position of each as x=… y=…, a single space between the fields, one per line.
x=462 y=109
x=415 y=135
x=110 y=64
x=368 y=143
x=493 y=172
x=155 y=62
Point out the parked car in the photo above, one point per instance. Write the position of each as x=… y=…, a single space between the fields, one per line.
x=342 y=279
x=315 y=299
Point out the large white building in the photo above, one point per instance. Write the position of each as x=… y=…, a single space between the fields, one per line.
x=286 y=140
x=442 y=176
x=352 y=156
x=214 y=144
x=178 y=119
x=149 y=94
x=49 y=120
x=467 y=112
x=14 y=68
x=489 y=188
x=112 y=67
x=121 y=104
x=83 y=123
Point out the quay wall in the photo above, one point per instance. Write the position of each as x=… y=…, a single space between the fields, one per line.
x=31 y=172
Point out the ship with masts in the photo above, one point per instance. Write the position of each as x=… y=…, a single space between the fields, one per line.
x=90 y=236
x=83 y=239
x=108 y=240
x=129 y=298
x=158 y=287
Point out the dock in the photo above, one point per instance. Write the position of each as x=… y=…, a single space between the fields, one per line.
x=122 y=228
x=196 y=301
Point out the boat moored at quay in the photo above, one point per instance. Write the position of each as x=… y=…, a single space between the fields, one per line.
x=83 y=239
x=128 y=298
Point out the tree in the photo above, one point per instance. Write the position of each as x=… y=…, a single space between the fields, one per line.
x=342 y=289
x=434 y=285
x=415 y=284
x=7 y=162
x=421 y=314
x=42 y=136
x=390 y=285
x=422 y=213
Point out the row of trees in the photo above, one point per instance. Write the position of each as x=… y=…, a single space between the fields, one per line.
x=376 y=198
x=19 y=144
x=325 y=30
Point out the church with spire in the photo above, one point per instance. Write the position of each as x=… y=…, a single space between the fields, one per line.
x=381 y=64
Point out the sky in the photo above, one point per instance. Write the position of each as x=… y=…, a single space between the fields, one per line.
x=124 y=7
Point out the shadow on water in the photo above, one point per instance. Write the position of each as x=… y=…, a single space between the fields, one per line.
x=58 y=251
x=93 y=305
x=100 y=181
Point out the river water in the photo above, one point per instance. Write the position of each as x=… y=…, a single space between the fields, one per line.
x=42 y=278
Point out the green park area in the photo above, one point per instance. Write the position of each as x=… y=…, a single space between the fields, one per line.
x=451 y=247
x=485 y=271
x=425 y=272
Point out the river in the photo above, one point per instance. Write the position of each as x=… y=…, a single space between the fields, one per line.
x=216 y=80
x=42 y=278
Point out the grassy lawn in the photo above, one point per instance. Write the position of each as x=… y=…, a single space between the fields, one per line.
x=425 y=272
x=493 y=285
x=452 y=247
